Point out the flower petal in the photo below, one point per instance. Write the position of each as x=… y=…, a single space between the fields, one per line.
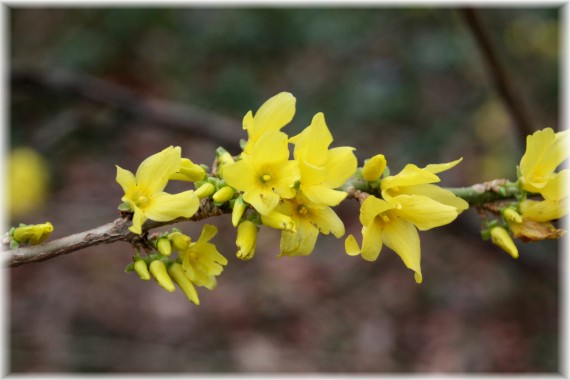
x=371 y=207
x=262 y=199
x=371 y=241
x=270 y=149
x=274 y=114
x=543 y=211
x=139 y=218
x=438 y=168
x=299 y=243
x=166 y=207
x=341 y=165
x=208 y=232
x=312 y=143
x=323 y=195
x=241 y=175
x=402 y=237
x=424 y=212
x=327 y=221
x=409 y=176
x=126 y=179
x=434 y=192
x=154 y=171
x=351 y=246
x=555 y=189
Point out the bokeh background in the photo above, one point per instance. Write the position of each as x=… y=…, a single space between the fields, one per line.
x=92 y=88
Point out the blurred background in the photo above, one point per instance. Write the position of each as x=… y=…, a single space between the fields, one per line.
x=95 y=88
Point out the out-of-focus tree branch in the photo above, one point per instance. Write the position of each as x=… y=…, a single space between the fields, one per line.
x=182 y=117
x=503 y=84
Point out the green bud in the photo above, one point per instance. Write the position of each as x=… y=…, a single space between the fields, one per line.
x=511 y=215
x=225 y=194
x=33 y=233
x=205 y=190
x=158 y=271
x=163 y=245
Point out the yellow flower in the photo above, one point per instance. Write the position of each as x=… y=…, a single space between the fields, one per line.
x=322 y=170
x=201 y=261
x=246 y=240
x=543 y=211
x=309 y=220
x=413 y=180
x=395 y=223
x=273 y=115
x=374 y=168
x=188 y=171
x=32 y=234
x=266 y=175
x=545 y=151
x=501 y=238
x=27 y=181
x=144 y=192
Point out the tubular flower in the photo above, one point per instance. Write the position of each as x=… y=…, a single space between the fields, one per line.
x=413 y=180
x=309 y=219
x=395 y=223
x=545 y=151
x=322 y=169
x=266 y=175
x=273 y=115
x=201 y=261
x=144 y=192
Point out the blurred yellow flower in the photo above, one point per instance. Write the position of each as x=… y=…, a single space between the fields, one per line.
x=395 y=223
x=545 y=151
x=144 y=192
x=273 y=115
x=322 y=169
x=266 y=175
x=27 y=181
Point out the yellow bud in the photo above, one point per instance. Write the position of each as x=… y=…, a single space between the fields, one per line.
x=164 y=247
x=374 y=167
x=278 y=221
x=192 y=171
x=180 y=242
x=158 y=271
x=177 y=274
x=511 y=215
x=205 y=190
x=246 y=239
x=238 y=210
x=224 y=194
x=33 y=234
x=225 y=158
x=501 y=238
x=142 y=270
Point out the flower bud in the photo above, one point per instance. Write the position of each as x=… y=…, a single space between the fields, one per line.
x=33 y=233
x=188 y=171
x=177 y=274
x=238 y=210
x=180 y=242
x=374 y=167
x=163 y=245
x=246 y=239
x=158 y=270
x=224 y=194
x=511 y=215
x=500 y=237
x=142 y=269
x=205 y=190
x=224 y=157
x=278 y=221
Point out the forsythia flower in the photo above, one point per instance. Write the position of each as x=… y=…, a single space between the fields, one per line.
x=144 y=192
x=322 y=170
x=32 y=234
x=266 y=175
x=395 y=222
x=309 y=219
x=545 y=151
x=413 y=180
x=201 y=261
x=273 y=115
x=27 y=181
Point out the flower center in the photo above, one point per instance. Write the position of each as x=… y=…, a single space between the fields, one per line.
x=385 y=218
x=302 y=210
x=265 y=178
x=140 y=198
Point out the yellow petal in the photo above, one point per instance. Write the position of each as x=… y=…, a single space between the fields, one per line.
x=556 y=189
x=126 y=179
x=327 y=221
x=409 y=176
x=434 y=192
x=438 y=168
x=274 y=114
x=166 y=207
x=374 y=167
x=341 y=165
x=262 y=199
x=402 y=237
x=323 y=195
x=351 y=246
x=271 y=148
x=241 y=175
x=312 y=143
x=371 y=207
x=247 y=121
x=153 y=172
x=371 y=241
x=286 y=174
x=424 y=212
x=138 y=220
x=279 y=221
x=301 y=242
x=208 y=232
x=545 y=150
x=543 y=211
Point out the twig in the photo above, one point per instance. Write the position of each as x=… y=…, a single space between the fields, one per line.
x=501 y=80
x=182 y=117
x=105 y=234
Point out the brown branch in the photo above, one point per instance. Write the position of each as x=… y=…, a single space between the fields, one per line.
x=180 y=117
x=501 y=80
x=108 y=233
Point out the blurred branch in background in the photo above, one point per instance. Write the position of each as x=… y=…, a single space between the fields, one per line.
x=501 y=80
x=179 y=117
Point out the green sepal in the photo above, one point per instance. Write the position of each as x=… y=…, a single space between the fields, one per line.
x=125 y=207
x=14 y=244
x=242 y=143
x=130 y=268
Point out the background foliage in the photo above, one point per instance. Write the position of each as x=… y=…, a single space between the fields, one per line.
x=409 y=83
